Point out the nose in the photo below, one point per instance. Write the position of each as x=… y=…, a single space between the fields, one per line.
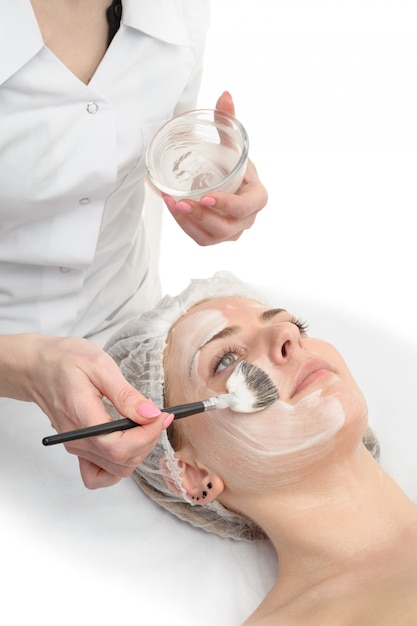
x=284 y=341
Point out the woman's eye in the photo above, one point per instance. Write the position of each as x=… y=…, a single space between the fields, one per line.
x=225 y=360
x=301 y=325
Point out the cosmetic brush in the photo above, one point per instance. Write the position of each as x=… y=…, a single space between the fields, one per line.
x=249 y=390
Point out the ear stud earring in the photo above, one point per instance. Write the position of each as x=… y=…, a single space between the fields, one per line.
x=203 y=494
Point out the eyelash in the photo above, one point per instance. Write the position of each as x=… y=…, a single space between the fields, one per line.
x=301 y=325
x=225 y=352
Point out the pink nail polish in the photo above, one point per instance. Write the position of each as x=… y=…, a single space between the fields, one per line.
x=207 y=201
x=149 y=410
x=169 y=202
x=168 y=420
x=183 y=207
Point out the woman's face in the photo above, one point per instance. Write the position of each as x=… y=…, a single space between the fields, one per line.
x=318 y=398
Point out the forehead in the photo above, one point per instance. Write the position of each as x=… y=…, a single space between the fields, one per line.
x=226 y=308
x=230 y=306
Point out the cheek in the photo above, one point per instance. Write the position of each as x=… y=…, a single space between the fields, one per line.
x=273 y=448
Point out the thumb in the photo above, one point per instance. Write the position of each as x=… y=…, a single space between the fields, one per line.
x=225 y=103
x=132 y=404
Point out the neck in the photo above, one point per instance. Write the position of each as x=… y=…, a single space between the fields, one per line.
x=347 y=513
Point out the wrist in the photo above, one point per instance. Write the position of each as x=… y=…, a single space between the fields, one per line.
x=17 y=364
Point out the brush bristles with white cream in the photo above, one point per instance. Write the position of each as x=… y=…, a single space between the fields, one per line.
x=249 y=390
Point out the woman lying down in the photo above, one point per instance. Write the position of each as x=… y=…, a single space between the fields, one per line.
x=297 y=471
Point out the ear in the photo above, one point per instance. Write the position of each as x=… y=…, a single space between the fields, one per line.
x=201 y=484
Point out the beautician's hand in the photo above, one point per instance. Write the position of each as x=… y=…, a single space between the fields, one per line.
x=221 y=216
x=67 y=377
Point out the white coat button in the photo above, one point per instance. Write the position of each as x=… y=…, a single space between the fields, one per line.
x=64 y=269
x=84 y=200
x=92 y=107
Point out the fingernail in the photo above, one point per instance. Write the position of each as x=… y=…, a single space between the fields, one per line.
x=169 y=202
x=149 y=410
x=207 y=201
x=184 y=207
x=168 y=420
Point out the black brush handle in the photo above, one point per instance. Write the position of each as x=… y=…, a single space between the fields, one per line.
x=182 y=410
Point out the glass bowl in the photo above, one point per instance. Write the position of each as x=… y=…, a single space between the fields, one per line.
x=197 y=153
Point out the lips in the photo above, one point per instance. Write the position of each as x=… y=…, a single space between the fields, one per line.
x=309 y=373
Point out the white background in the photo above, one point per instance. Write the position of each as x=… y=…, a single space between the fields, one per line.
x=327 y=91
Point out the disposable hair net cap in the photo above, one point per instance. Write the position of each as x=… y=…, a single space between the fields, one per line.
x=138 y=349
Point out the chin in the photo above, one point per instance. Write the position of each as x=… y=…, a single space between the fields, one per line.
x=353 y=402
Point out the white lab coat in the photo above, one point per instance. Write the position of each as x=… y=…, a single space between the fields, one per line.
x=74 y=253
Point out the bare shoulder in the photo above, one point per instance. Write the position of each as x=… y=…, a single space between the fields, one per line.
x=374 y=598
x=376 y=611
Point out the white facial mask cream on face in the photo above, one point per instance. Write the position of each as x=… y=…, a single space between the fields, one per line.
x=202 y=327
x=273 y=447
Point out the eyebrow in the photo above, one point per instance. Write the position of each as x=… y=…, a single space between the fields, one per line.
x=230 y=331
x=266 y=316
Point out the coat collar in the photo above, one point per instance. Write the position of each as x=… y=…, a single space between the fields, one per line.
x=16 y=49
x=158 y=18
